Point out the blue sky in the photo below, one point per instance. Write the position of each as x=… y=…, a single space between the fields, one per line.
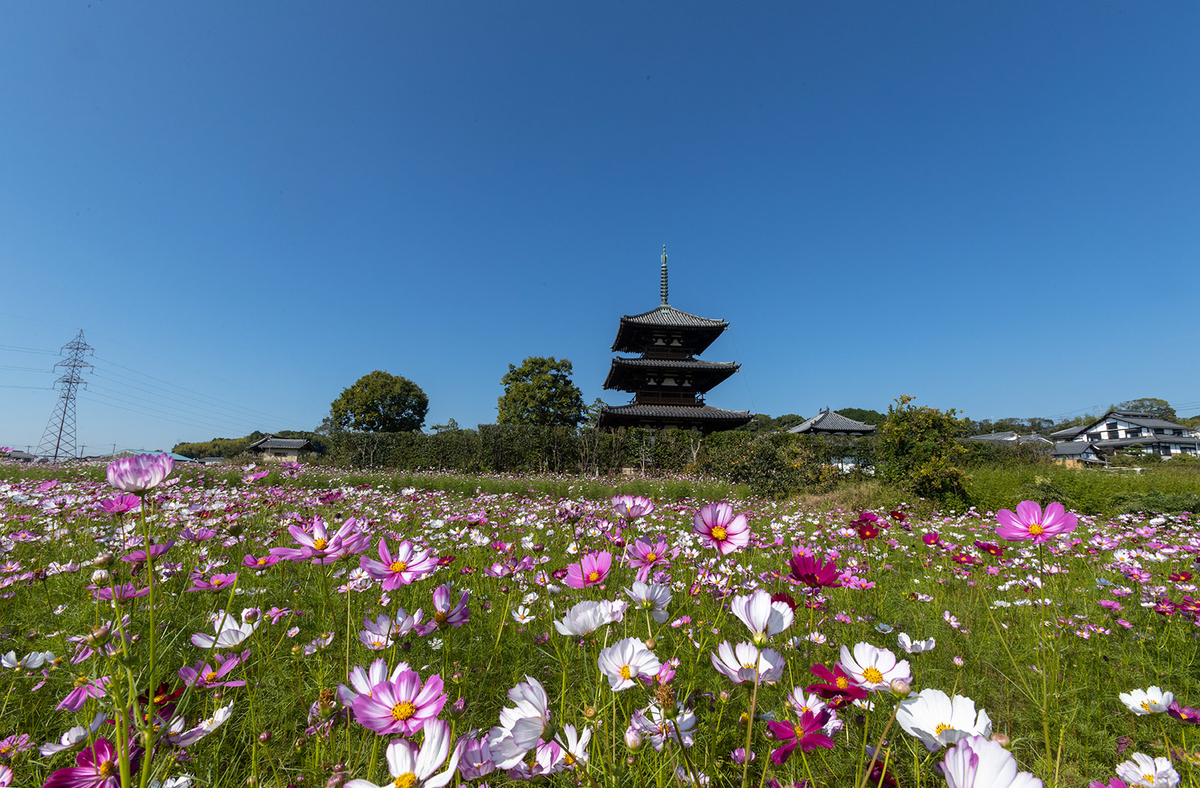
x=247 y=206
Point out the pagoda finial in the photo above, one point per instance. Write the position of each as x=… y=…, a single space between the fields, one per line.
x=664 y=276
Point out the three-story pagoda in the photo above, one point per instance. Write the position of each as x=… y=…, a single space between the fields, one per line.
x=667 y=381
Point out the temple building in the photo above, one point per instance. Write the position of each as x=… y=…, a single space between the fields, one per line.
x=666 y=379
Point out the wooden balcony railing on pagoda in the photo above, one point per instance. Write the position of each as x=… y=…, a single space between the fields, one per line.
x=667 y=398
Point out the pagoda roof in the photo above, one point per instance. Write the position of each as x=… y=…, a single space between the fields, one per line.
x=636 y=331
x=704 y=417
x=705 y=374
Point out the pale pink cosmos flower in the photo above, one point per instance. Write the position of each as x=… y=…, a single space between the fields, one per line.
x=407 y=565
x=746 y=663
x=140 y=472
x=401 y=706
x=645 y=557
x=364 y=680
x=84 y=688
x=719 y=529
x=1145 y=771
x=631 y=507
x=590 y=571
x=939 y=720
x=1031 y=523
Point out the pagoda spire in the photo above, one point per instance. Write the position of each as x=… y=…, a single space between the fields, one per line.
x=663 y=286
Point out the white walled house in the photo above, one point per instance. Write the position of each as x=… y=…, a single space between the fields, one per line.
x=1120 y=429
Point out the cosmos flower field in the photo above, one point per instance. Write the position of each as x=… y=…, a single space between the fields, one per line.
x=285 y=627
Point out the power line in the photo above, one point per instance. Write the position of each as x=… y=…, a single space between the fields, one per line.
x=60 y=429
x=18 y=349
x=39 y=388
x=152 y=415
x=123 y=396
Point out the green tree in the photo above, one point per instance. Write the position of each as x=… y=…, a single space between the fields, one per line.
x=1159 y=408
x=380 y=402
x=916 y=449
x=865 y=415
x=540 y=391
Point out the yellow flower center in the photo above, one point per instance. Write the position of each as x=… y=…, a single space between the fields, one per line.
x=568 y=759
x=593 y=577
x=403 y=711
x=210 y=676
x=941 y=728
x=1036 y=529
x=399 y=566
x=798 y=731
x=320 y=544
x=1146 y=705
x=1149 y=778
x=841 y=682
x=261 y=561
x=217 y=581
x=406 y=780
x=5 y=750
x=651 y=557
x=873 y=675
x=81 y=680
x=719 y=533
x=105 y=769
x=804 y=709
x=440 y=617
x=625 y=672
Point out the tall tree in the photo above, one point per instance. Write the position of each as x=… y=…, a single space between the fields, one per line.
x=540 y=391
x=1159 y=408
x=379 y=402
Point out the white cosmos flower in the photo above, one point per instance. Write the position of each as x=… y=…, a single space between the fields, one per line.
x=414 y=767
x=978 y=762
x=522 y=615
x=1147 y=701
x=740 y=663
x=230 y=631
x=574 y=744
x=585 y=618
x=937 y=720
x=625 y=661
x=178 y=737
x=1148 y=772
x=911 y=646
x=520 y=725
x=874 y=668
x=654 y=598
x=761 y=616
x=74 y=736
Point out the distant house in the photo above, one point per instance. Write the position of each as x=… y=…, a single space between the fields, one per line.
x=19 y=456
x=1076 y=454
x=274 y=449
x=211 y=460
x=1122 y=429
x=829 y=422
x=1010 y=438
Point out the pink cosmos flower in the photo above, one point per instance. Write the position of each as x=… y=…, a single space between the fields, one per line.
x=719 y=529
x=1030 y=523
x=140 y=472
x=321 y=546
x=203 y=675
x=591 y=571
x=645 y=557
x=120 y=504
x=84 y=688
x=978 y=762
x=7 y=778
x=96 y=767
x=406 y=566
x=443 y=614
x=814 y=574
x=363 y=680
x=139 y=556
x=400 y=706
x=123 y=591
x=214 y=583
x=260 y=563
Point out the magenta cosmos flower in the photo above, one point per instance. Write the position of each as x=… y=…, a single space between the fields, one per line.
x=811 y=572
x=140 y=472
x=719 y=529
x=644 y=557
x=631 y=507
x=591 y=571
x=807 y=734
x=1031 y=523
x=401 y=706
x=444 y=614
x=406 y=566
x=98 y=766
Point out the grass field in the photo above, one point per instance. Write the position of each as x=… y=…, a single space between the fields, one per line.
x=1043 y=637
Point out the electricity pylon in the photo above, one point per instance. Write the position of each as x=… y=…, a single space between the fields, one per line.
x=58 y=440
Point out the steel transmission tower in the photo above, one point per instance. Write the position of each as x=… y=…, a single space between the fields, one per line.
x=58 y=441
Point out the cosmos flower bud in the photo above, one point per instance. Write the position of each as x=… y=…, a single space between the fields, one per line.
x=633 y=739
x=250 y=615
x=100 y=577
x=235 y=529
x=724 y=696
x=901 y=688
x=1003 y=740
x=458 y=708
x=103 y=560
x=97 y=637
x=590 y=712
x=264 y=737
